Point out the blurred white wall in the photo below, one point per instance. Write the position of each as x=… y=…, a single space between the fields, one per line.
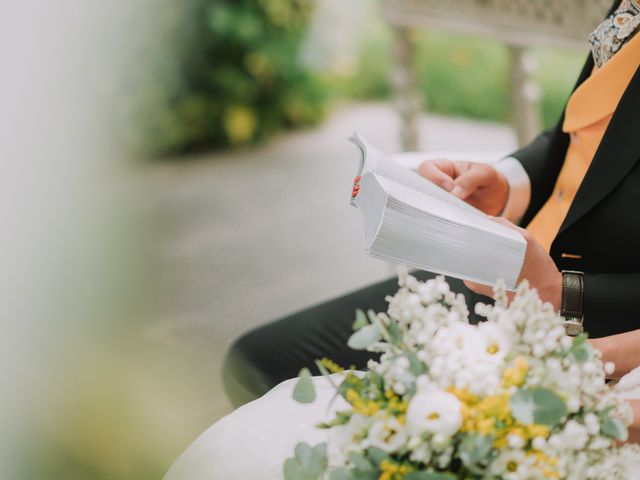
x=71 y=258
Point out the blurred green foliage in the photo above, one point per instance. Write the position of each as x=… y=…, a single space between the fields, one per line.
x=465 y=76
x=231 y=77
x=229 y=72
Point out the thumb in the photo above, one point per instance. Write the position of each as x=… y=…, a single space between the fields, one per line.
x=472 y=179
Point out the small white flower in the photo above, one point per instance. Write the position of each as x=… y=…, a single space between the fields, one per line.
x=434 y=411
x=399 y=388
x=574 y=435
x=387 y=434
x=592 y=423
x=508 y=462
x=515 y=441
x=539 y=443
x=573 y=404
x=609 y=367
x=496 y=342
x=402 y=363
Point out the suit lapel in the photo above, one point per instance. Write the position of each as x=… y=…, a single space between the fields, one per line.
x=618 y=152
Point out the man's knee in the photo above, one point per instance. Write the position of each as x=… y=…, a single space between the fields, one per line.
x=245 y=369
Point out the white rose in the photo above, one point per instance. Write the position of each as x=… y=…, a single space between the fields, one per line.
x=387 y=434
x=434 y=411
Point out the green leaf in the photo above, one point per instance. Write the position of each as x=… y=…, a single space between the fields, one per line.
x=394 y=332
x=323 y=370
x=341 y=474
x=429 y=476
x=341 y=418
x=304 y=391
x=309 y=463
x=361 y=462
x=579 y=340
x=614 y=428
x=580 y=349
x=377 y=455
x=416 y=366
x=361 y=320
x=365 y=337
x=537 y=405
x=581 y=354
x=475 y=452
x=348 y=474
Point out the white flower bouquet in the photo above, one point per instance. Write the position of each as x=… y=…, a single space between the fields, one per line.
x=511 y=398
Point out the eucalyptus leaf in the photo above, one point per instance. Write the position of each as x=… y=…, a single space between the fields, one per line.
x=349 y=474
x=361 y=320
x=361 y=462
x=580 y=349
x=309 y=463
x=579 y=340
x=394 y=332
x=614 y=428
x=416 y=366
x=341 y=474
x=537 y=405
x=581 y=354
x=304 y=391
x=377 y=455
x=474 y=452
x=365 y=337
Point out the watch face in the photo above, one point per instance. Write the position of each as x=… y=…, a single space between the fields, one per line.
x=573 y=327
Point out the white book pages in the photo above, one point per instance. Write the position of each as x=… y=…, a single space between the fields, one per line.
x=424 y=228
x=373 y=160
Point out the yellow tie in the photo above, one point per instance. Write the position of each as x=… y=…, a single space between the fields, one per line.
x=587 y=117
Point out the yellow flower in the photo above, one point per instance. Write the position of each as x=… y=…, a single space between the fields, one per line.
x=546 y=464
x=393 y=471
x=360 y=405
x=331 y=366
x=515 y=376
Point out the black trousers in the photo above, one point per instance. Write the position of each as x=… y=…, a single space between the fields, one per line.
x=266 y=356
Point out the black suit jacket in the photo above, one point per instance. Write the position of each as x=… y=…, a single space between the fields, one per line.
x=601 y=232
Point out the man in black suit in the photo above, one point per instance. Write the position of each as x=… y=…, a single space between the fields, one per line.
x=589 y=268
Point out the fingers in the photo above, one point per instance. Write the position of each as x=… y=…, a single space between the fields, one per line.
x=440 y=172
x=475 y=176
x=479 y=288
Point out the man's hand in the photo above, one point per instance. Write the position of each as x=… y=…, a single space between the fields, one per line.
x=538 y=268
x=479 y=184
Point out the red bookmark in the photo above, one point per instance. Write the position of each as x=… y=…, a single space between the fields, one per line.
x=356 y=187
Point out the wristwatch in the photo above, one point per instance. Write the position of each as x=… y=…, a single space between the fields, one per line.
x=572 y=297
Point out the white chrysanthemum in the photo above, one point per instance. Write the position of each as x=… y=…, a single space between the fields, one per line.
x=509 y=462
x=434 y=411
x=388 y=434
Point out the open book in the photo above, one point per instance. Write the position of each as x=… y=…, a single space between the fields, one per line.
x=409 y=220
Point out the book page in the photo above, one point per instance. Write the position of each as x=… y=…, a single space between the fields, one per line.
x=445 y=210
x=374 y=161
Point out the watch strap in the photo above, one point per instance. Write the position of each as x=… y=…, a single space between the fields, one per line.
x=572 y=295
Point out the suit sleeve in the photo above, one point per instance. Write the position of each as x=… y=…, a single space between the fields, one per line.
x=611 y=303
